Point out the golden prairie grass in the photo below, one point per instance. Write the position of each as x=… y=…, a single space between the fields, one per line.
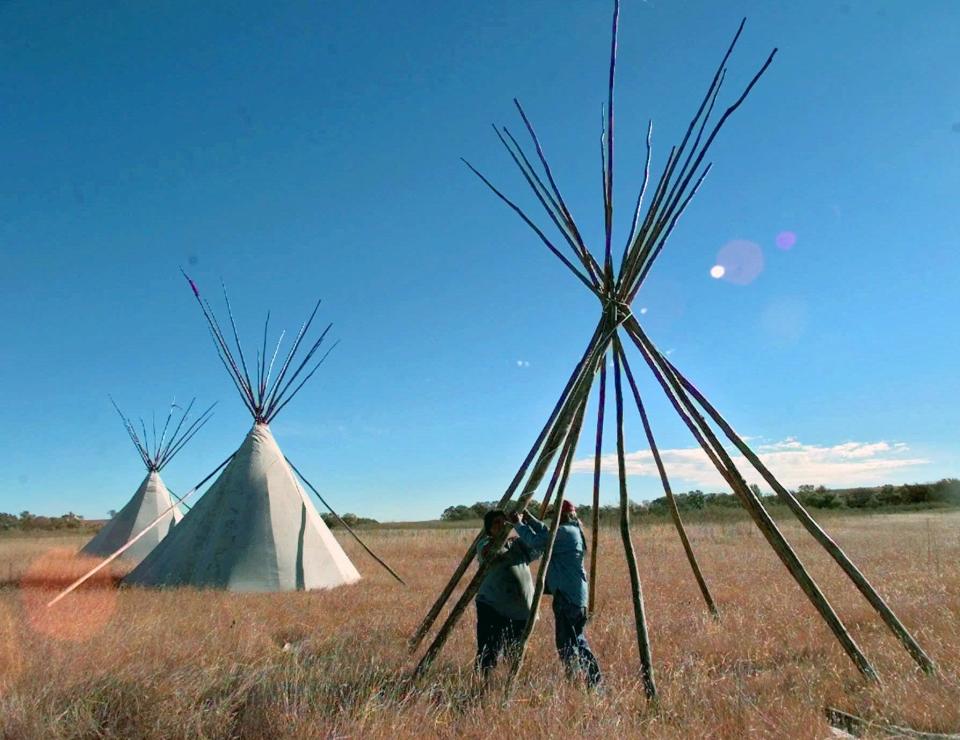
x=185 y=663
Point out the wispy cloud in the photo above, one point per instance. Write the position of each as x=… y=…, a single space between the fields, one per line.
x=793 y=462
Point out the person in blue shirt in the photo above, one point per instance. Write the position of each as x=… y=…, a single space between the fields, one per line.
x=567 y=582
x=506 y=593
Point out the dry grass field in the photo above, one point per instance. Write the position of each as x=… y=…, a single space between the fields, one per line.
x=131 y=663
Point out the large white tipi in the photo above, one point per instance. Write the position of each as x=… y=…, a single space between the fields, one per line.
x=152 y=499
x=255 y=529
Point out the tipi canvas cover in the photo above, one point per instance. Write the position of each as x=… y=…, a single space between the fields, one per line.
x=152 y=505
x=149 y=502
x=254 y=530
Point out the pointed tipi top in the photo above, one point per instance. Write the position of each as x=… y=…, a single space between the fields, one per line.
x=264 y=394
x=152 y=503
x=254 y=529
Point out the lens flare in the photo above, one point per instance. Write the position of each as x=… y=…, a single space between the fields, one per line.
x=79 y=616
x=786 y=240
x=740 y=260
x=11 y=657
x=717 y=272
x=784 y=320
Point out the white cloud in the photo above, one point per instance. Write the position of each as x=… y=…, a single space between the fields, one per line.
x=791 y=461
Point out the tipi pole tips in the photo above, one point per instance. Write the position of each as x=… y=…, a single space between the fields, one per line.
x=156 y=455
x=193 y=285
x=265 y=397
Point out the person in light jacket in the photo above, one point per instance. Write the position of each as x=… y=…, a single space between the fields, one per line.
x=506 y=593
x=567 y=582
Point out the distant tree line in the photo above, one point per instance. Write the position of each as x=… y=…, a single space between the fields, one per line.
x=352 y=520
x=944 y=492
x=28 y=522
x=32 y=522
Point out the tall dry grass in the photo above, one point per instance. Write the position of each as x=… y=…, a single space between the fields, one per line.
x=137 y=663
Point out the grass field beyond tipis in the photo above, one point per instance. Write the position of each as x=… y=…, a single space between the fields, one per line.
x=132 y=663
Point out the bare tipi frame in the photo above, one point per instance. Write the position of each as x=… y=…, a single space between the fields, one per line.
x=616 y=288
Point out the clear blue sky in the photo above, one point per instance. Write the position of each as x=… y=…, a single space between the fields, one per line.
x=304 y=149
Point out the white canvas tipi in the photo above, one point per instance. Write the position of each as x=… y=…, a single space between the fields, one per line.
x=255 y=529
x=152 y=499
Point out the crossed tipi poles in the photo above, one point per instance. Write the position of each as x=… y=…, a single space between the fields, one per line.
x=616 y=288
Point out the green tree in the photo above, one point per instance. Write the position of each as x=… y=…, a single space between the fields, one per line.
x=458 y=513
x=861 y=498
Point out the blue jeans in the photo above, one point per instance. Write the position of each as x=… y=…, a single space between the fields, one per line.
x=572 y=645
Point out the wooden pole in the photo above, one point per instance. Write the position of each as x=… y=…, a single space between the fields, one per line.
x=639 y=614
x=346 y=526
x=465 y=561
x=671 y=500
x=552 y=485
x=134 y=539
x=573 y=402
x=813 y=527
x=595 y=524
x=764 y=522
x=540 y=587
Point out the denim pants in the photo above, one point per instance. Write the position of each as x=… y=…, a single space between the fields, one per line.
x=496 y=635
x=572 y=645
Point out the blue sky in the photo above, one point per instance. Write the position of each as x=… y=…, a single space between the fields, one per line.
x=303 y=149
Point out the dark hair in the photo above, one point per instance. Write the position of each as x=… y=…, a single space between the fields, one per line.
x=490 y=517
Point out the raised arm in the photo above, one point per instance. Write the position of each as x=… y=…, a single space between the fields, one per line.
x=532 y=532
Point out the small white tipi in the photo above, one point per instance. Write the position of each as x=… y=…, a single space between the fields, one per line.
x=255 y=529
x=152 y=499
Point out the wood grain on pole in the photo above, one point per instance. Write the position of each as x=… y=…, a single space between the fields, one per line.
x=595 y=518
x=639 y=613
x=671 y=499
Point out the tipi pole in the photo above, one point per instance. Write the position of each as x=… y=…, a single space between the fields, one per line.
x=585 y=254
x=573 y=402
x=813 y=527
x=570 y=447
x=548 y=202
x=552 y=485
x=671 y=500
x=639 y=614
x=764 y=522
x=465 y=561
x=130 y=542
x=179 y=499
x=346 y=526
x=595 y=523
